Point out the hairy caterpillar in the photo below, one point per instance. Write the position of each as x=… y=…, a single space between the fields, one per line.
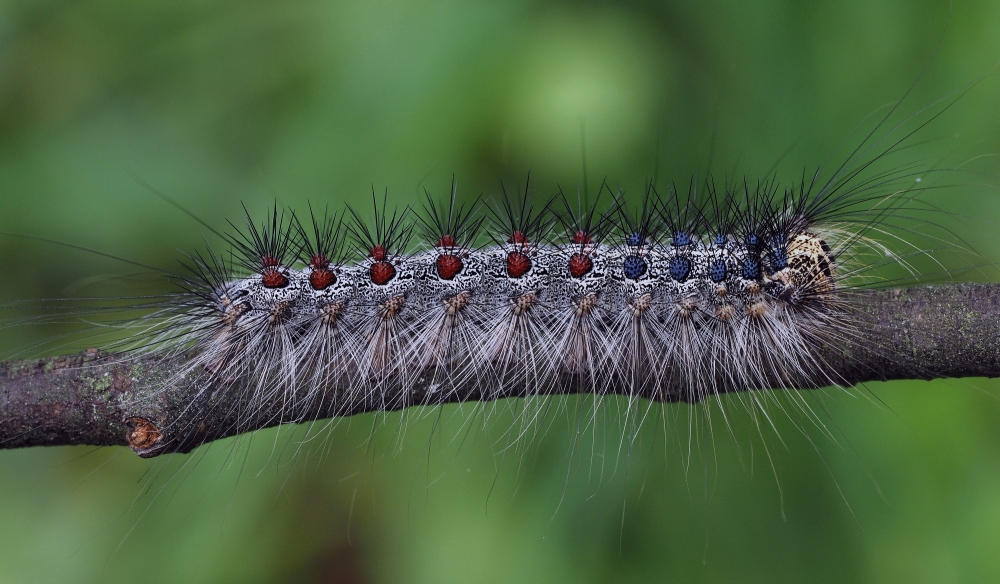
x=737 y=508
x=675 y=297
x=647 y=309
x=671 y=297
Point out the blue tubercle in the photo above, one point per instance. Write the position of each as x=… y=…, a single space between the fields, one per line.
x=779 y=251
x=681 y=238
x=634 y=267
x=680 y=268
x=779 y=258
x=635 y=239
x=717 y=271
x=751 y=269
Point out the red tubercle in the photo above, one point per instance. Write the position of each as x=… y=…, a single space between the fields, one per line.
x=580 y=265
x=381 y=272
x=378 y=253
x=271 y=277
x=581 y=238
x=447 y=241
x=518 y=237
x=322 y=278
x=448 y=266
x=518 y=264
x=318 y=262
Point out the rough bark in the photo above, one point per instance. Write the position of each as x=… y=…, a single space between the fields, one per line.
x=99 y=399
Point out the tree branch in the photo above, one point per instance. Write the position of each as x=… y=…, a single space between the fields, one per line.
x=93 y=398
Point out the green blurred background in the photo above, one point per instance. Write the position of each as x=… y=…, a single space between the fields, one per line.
x=218 y=103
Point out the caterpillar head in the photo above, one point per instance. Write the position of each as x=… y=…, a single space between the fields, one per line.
x=804 y=269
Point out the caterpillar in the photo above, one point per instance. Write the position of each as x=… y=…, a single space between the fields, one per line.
x=677 y=295
x=319 y=100
x=645 y=307
x=674 y=296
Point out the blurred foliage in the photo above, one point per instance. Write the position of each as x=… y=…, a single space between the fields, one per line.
x=218 y=103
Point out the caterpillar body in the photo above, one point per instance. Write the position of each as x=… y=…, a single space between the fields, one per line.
x=678 y=298
x=632 y=380
x=678 y=295
x=669 y=297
